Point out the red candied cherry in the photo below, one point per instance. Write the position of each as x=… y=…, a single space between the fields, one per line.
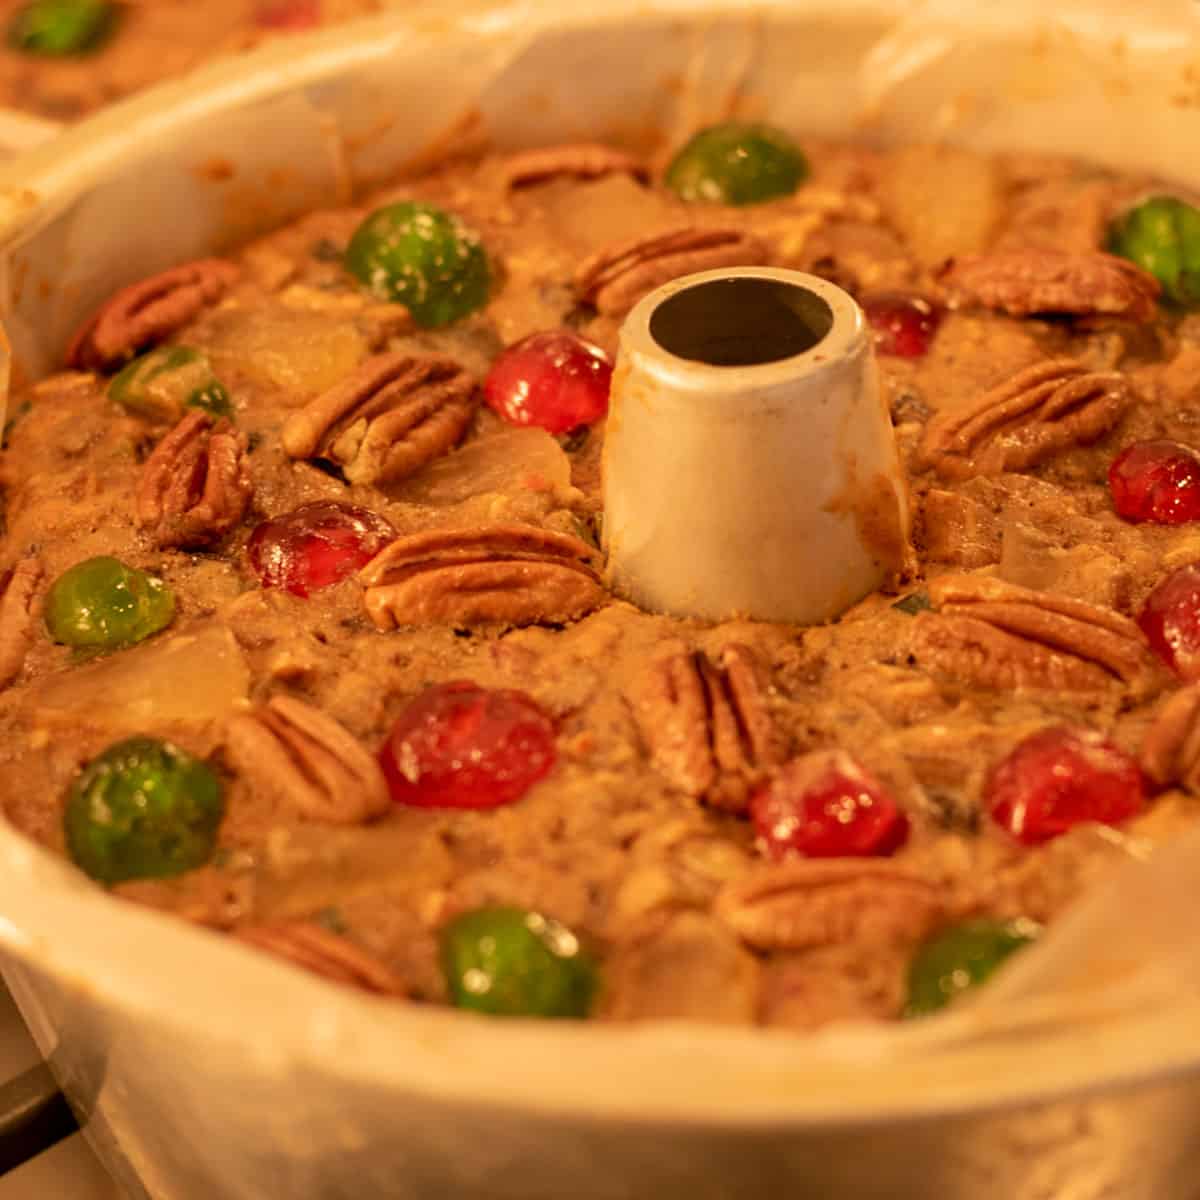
x=316 y=545
x=902 y=325
x=555 y=380
x=288 y=14
x=458 y=745
x=1156 y=481
x=1170 y=619
x=824 y=805
x=1060 y=777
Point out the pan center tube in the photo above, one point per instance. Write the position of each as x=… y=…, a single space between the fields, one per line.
x=750 y=468
x=740 y=321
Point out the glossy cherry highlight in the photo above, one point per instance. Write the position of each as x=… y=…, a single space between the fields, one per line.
x=458 y=745
x=316 y=545
x=825 y=805
x=903 y=326
x=1059 y=778
x=1156 y=481
x=555 y=380
x=1170 y=619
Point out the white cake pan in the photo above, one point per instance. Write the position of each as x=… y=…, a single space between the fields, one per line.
x=209 y=1073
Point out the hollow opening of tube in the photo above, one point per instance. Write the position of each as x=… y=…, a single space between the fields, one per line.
x=741 y=322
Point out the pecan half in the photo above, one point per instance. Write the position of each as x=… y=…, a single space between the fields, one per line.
x=1040 y=411
x=16 y=616
x=308 y=760
x=801 y=903
x=149 y=311
x=195 y=486
x=1022 y=282
x=583 y=160
x=507 y=574
x=1171 y=748
x=394 y=414
x=323 y=952
x=997 y=635
x=707 y=723
x=615 y=278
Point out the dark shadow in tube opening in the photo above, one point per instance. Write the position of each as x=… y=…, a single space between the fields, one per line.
x=741 y=322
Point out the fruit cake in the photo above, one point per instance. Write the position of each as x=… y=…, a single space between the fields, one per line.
x=63 y=59
x=306 y=637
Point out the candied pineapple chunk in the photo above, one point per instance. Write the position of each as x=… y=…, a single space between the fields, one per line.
x=506 y=462
x=295 y=352
x=195 y=676
x=944 y=201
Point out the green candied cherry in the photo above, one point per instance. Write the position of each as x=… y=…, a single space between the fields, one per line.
x=101 y=603
x=60 y=27
x=509 y=962
x=163 y=382
x=143 y=809
x=737 y=163
x=1162 y=235
x=961 y=958
x=421 y=257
